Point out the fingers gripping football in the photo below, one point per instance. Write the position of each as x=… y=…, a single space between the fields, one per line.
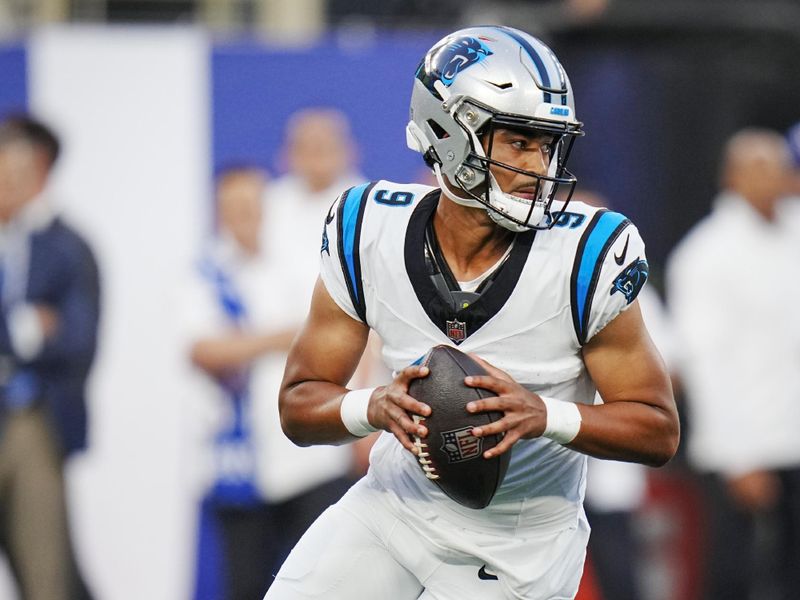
x=392 y=409
x=450 y=457
x=524 y=413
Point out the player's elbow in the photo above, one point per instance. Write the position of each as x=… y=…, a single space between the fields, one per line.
x=662 y=455
x=294 y=434
x=290 y=416
x=290 y=426
x=666 y=441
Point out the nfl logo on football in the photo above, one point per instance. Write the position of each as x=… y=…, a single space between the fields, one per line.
x=460 y=444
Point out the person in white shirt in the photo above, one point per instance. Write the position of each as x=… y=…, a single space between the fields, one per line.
x=616 y=490
x=320 y=155
x=239 y=314
x=732 y=289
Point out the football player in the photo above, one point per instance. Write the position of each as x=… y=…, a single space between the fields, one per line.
x=542 y=289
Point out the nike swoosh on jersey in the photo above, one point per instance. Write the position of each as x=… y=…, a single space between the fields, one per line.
x=485 y=575
x=619 y=259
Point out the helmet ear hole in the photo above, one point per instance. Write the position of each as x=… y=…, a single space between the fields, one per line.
x=437 y=130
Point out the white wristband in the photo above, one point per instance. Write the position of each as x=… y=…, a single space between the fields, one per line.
x=563 y=420
x=354 y=412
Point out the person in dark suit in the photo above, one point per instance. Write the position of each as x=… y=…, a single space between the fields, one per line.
x=49 y=311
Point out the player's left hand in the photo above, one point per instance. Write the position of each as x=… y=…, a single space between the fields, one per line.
x=525 y=414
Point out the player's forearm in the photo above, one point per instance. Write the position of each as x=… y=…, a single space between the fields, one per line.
x=321 y=361
x=310 y=413
x=629 y=431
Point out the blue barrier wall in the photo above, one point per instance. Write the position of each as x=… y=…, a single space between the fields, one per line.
x=256 y=87
x=13 y=81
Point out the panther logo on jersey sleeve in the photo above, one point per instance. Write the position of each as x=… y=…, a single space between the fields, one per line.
x=631 y=280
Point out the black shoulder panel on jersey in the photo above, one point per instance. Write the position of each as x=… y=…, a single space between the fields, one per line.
x=350 y=217
x=601 y=232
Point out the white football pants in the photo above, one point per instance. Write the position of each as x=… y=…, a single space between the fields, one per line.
x=370 y=547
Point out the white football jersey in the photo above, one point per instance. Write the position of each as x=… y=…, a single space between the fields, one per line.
x=557 y=289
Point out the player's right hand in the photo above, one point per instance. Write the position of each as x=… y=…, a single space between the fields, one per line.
x=391 y=408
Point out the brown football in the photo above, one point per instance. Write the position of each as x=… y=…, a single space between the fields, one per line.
x=451 y=457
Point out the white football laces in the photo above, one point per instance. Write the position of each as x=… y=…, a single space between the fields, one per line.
x=422 y=455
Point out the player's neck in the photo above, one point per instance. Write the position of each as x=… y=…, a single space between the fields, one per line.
x=469 y=240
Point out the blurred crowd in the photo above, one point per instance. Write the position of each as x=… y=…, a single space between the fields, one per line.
x=730 y=335
x=249 y=295
x=726 y=324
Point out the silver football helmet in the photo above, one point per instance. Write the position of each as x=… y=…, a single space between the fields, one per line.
x=475 y=81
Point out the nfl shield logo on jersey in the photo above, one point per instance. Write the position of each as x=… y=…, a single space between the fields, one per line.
x=460 y=444
x=456 y=331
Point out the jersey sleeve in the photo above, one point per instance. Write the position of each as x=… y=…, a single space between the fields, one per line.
x=340 y=261
x=609 y=271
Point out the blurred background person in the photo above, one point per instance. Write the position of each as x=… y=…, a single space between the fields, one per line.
x=48 y=330
x=733 y=297
x=616 y=491
x=789 y=209
x=793 y=139
x=320 y=155
x=240 y=311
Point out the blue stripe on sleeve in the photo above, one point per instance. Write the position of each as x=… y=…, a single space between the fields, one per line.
x=592 y=257
x=352 y=203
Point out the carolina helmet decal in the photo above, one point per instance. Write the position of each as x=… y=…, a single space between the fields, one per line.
x=451 y=58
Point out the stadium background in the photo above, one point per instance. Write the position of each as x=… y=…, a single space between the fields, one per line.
x=149 y=111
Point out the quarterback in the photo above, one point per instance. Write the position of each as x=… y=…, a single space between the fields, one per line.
x=497 y=261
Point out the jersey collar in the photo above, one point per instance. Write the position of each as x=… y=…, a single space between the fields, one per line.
x=458 y=325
